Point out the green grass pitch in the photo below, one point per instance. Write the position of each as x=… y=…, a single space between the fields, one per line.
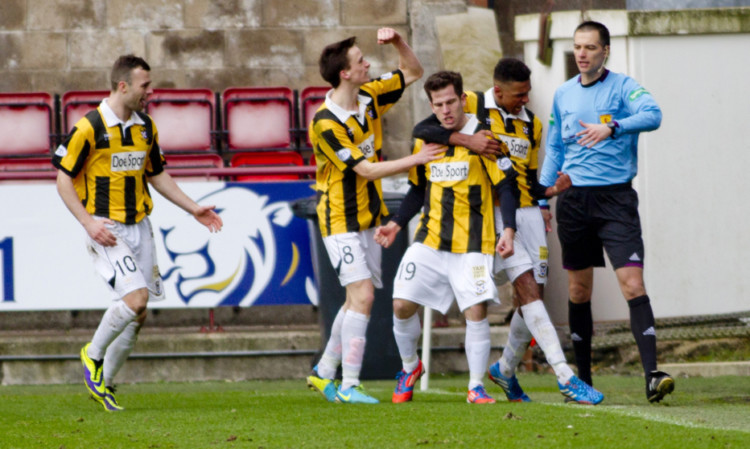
x=701 y=413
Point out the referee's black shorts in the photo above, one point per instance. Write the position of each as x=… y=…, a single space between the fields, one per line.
x=592 y=218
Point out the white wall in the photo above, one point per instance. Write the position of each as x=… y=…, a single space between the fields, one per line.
x=689 y=170
x=692 y=171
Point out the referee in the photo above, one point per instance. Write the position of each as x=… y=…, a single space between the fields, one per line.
x=593 y=136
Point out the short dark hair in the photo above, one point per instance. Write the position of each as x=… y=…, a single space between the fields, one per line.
x=511 y=69
x=590 y=25
x=440 y=80
x=334 y=59
x=123 y=66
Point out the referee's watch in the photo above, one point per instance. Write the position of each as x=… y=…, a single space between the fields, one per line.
x=613 y=125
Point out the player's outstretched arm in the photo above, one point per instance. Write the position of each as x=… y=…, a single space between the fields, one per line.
x=168 y=188
x=407 y=60
x=377 y=170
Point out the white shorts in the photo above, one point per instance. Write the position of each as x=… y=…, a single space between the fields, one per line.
x=529 y=246
x=355 y=256
x=130 y=264
x=431 y=278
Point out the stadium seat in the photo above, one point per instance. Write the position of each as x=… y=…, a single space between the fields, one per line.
x=208 y=160
x=310 y=100
x=258 y=118
x=33 y=165
x=75 y=104
x=26 y=164
x=184 y=119
x=267 y=158
x=26 y=124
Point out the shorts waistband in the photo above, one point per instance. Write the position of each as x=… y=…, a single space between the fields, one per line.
x=608 y=188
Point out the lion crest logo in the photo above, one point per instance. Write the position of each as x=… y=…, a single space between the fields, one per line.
x=245 y=263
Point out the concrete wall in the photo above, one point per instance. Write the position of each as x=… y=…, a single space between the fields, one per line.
x=690 y=170
x=61 y=45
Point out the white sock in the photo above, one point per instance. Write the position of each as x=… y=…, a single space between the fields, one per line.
x=353 y=330
x=331 y=358
x=119 y=351
x=541 y=328
x=519 y=338
x=477 y=345
x=406 y=333
x=114 y=321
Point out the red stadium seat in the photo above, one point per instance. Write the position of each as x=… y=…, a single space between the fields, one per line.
x=26 y=164
x=184 y=119
x=77 y=103
x=267 y=158
x=31 y=166
x=310 y=100
x=208 y=160
x=26 y=124
x=258 y=118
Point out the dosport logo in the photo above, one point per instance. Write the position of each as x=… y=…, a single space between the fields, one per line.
x=516 y=146
x=368 y=147
x=236 y=266
x=127 y=161
x=449 y=171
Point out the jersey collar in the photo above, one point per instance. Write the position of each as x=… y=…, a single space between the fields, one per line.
x=471 y=125
x=342 y=114
x=598 y=80
x=111 y=119
x=489 y=103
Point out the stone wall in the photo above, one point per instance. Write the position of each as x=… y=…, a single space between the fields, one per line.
x=61 y=45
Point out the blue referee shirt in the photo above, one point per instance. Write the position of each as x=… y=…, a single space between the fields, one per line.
x=614 y=96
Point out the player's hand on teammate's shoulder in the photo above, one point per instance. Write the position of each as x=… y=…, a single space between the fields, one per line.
x=484 y=144
x=430 y=152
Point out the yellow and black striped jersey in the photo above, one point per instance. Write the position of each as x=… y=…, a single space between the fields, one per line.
x=458 y=212
x=341 y=139
x=521 y=134
x=109 y=163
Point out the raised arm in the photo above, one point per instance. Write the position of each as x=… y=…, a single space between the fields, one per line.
x=407 y=60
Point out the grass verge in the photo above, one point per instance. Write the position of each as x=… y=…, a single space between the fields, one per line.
x=703 y=412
